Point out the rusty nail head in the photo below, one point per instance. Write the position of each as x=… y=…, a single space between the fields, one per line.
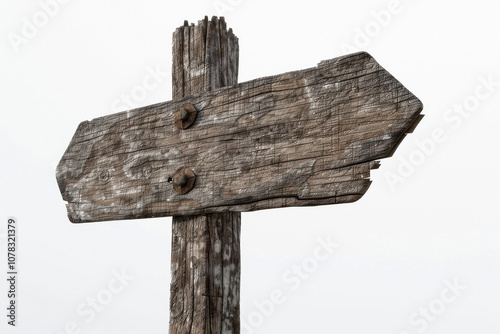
x=183 y=180
x=185 y=116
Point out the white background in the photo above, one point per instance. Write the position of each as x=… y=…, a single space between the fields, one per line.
x=436 y=222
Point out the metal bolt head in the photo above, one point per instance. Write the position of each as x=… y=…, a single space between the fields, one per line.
x=180 y=179
x=183 y=180
x=185 y=116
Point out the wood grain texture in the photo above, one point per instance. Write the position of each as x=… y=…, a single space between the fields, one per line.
x=205 y=287
x=308 y=137
x=205 y=266
x=205 y=57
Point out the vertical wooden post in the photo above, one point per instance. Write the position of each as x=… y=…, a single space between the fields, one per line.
x=205 y=288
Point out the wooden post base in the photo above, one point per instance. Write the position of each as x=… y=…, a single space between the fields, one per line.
x=205 y=288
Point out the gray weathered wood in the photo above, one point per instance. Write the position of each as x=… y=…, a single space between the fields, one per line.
x=308 y=137
x=205 y=287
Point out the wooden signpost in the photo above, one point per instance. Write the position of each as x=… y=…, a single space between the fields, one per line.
x=302 y=138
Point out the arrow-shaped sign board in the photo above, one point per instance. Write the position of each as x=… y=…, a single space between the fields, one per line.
x=302 y=138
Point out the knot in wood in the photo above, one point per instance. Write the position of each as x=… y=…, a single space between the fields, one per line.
x=183 y=180
x=185 y=116
x=103 y=176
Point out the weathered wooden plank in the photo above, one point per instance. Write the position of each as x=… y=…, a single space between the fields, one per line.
x=307 y=137
x=205 y=286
